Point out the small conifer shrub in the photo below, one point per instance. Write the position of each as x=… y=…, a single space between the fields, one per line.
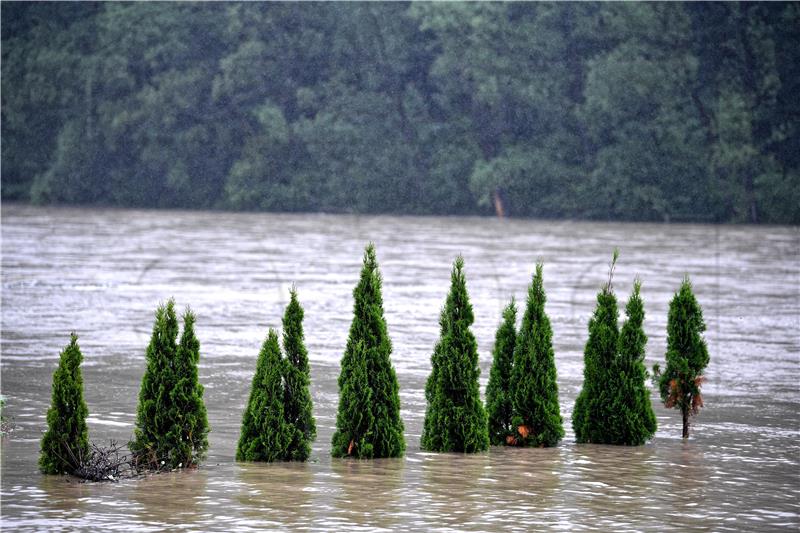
x=536 y=418
x=297 y=398
x=171 y=421
x=687 y=356
x=65 y=444
x=265 y=434
x=455 y=420
x=498 y=395
x=633 y=421
x=592 y=410
x=614 y=405
x=383 y=436
x=354 y=419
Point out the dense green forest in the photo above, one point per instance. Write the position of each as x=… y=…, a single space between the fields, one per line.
x=633 y=111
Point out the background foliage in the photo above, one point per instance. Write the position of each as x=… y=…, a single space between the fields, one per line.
x=645 y=111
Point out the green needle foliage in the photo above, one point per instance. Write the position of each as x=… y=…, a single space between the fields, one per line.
x=171 y=422
x=265 y=434
x=66 y=441
x=297 y=398
x=455 y=420
x=687 y=356
x=498 y=396
x=536 y=414
x=190 y=428
x=354 y=420
x=633 y=421
x=592 y=407
x=384 y=434
x=432 y=439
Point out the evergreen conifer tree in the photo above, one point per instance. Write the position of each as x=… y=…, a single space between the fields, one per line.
x=536 y=416
x=171 y=422
x=592 y=409
x=354 y=419
x=384 y=438
x=265 y=434
x=455 y=419
x=189 y=431
x=633 y=421
x=687 y=356
x=66 y=441
x=297 y=398
x=498 y=394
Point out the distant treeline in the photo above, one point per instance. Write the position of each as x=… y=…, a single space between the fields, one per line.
x=645 y=111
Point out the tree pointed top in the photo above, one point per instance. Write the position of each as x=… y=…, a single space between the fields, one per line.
x=537 y=285
x=637 y=285
x=188 y=318
x=272 y=337
x=614 y=256
x=510 y=310
x=370 y=257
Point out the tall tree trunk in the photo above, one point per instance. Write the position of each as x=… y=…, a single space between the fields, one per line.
x=685 y=413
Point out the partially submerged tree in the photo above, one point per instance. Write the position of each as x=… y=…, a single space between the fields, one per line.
x=354 y=418
x=455 y=420
x=171 y=422
x=265 y=434
x=592 y=409
x=188 y=411
x=498 y=394
x=297 y=398
x=384 y=438
x=536 y=418
x=687 y=356
x=633 y=421
x=65 y=444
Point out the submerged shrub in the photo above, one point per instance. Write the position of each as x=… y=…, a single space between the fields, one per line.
x=65 y=444
x=383 y=436
x=536 y=418
x=633 y=421
x=498 y=394
x=297 y=398
x=354 y=419
x=614 y=405
x=687 y=356
x=265 y=434
x=592 y=410
x=455 y=419
x=171 y=421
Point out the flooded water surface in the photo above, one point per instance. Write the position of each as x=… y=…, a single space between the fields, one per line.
x=102 y=273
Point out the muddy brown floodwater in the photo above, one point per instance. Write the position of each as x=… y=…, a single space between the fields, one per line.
x=103 y=272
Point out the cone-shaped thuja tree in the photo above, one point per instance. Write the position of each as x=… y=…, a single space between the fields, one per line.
x=498 y=396
x=66 y=442
x=171 y=422
x=458 y=420
x=431 y=439
x=150 y=444
x=687 y=356
x=354 y=419
x=633 y=421
x=536 y=417
x=593 y=406
x=189 y=432
x=265 y=434
x=297 y=398
x=384 y=437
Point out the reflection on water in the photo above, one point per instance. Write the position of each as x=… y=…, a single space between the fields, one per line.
x=102 y=273
x=271 y=495
x=367 y=493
